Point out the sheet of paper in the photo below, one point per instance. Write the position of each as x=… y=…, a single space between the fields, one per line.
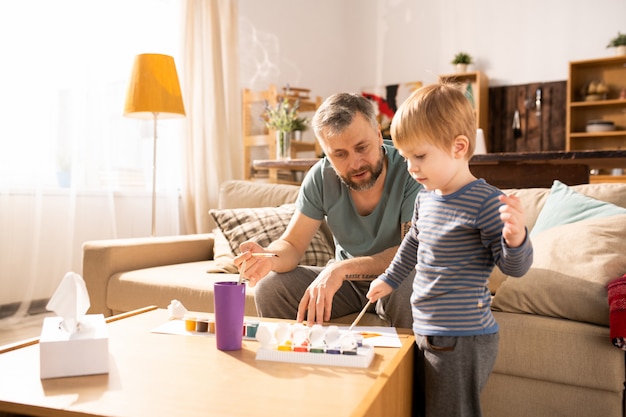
x=377 y=336
x=176 y=327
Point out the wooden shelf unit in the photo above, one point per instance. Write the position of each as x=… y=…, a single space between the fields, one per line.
x=480 y=90
x=611 y=71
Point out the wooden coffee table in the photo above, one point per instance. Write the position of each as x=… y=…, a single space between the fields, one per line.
x=171 y=375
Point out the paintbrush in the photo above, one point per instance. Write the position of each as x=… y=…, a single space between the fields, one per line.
x=243 y=269
x=256 y=255
x=359 y=316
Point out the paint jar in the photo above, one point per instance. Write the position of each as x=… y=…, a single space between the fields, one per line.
x=212 y=326
x=251 y=329
x=190 y=322
x=202 y=325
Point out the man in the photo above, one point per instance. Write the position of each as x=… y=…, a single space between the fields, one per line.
x=364 y=192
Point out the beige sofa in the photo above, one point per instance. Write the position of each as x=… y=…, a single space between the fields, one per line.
x=555 y=356
x=126 y=274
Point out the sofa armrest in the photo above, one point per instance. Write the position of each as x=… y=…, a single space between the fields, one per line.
x=105 y=258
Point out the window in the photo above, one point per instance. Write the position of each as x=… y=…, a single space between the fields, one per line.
x=64 y=75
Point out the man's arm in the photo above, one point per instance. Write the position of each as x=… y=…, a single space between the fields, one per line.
x=367 y=268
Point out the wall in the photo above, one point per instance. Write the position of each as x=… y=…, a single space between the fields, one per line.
x=344 y=45
x=514 y=42
x=325 y=45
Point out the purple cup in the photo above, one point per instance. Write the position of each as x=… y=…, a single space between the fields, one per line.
x=229 y=298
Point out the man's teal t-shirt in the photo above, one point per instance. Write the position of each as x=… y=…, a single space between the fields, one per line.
x=324 y=196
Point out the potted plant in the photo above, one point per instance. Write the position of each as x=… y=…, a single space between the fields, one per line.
x=282 y=119
x=619 y=43
x=461 y=61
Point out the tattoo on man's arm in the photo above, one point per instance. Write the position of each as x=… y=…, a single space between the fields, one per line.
x=361 y=277
x=405 y=228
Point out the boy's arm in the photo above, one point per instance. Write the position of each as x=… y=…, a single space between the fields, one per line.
x=404 y=261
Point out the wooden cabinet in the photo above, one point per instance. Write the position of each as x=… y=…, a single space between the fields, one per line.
x=476 y=84
x=607 y=107
x=540 y=169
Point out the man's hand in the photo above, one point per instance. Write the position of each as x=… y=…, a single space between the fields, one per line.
x=255 y=267
x=378 y=289
x=513 y=217
x=317 y=301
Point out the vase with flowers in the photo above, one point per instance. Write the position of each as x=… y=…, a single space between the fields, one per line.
x=283 y=119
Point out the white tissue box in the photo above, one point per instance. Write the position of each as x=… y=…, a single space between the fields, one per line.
x=85 y=352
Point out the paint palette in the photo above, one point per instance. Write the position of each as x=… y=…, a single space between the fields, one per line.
x=317 y=345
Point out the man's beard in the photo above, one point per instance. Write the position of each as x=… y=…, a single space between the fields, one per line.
x=374 y=171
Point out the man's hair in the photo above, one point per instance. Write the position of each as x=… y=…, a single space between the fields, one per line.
x=436 y=114
x=338 y=111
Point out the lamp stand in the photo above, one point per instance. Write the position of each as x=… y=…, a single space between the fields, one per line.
x=155 y=114
x=154 y=91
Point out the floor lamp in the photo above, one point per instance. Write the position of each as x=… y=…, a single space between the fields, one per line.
x=154 y=92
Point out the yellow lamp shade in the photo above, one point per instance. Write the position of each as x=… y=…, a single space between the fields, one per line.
x=154 y=89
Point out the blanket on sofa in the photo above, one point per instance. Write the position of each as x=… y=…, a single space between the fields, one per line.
x=617 y=311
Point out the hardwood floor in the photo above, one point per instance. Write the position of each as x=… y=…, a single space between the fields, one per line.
x=13 y=330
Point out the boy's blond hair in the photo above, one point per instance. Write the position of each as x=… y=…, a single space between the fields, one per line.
x=436 y=114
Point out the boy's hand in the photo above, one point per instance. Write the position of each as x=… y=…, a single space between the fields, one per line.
x=378 y=289
x=513 y=217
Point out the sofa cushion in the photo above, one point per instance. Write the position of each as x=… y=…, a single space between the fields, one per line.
x=564 y=205
x=242 y=194
x=562 y=352
x=572 y=265
x=534 y=199
x=263 y=225
x=187 y=282
x=222 y=255
x=553 y=367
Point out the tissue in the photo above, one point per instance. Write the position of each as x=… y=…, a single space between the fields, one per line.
x=177 y=310
x=70 y=301
x=73 y=343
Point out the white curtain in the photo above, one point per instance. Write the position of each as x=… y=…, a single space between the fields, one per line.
x=213 y=148
x=72 y=168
